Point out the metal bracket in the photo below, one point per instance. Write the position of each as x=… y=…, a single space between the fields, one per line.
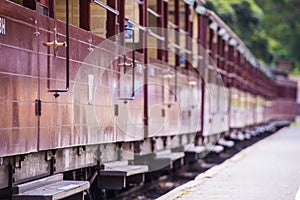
x=49 y=155
x=37 y=33
x=18 y=161
x=116 y=110
x=80 y=150
x=38 y=107
x=163 y=112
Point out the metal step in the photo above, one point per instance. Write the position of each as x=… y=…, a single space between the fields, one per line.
x=52 y=187
x=119 y=174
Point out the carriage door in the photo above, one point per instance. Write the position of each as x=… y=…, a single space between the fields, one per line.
x=18 y=78
x=54 y=73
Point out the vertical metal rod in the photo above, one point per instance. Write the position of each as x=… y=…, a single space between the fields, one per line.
x=144 y=21
x=68 y=47
x=200 y=77
x=165 y=26
x=187 y=34
x=177 y=34
x=133 y=62
x=177 y=41
x=202 y=39
x=230 y=81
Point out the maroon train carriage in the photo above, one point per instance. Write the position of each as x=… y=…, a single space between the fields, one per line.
x=285 y=104
x=93 y=98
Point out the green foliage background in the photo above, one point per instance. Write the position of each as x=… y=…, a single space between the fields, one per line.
x=270 y=28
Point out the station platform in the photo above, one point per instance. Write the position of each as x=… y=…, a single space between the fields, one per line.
x=268 y=170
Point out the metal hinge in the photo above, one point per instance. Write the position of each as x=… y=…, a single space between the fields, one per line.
x=163 y=112
x=38 y=107
x=116 y=110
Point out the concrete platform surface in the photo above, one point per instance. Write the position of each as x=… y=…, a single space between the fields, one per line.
x=268 y=170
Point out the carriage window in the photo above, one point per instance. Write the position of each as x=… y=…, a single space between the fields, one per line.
x=18 y=1
x=172 y=13
x=43 y=10
x=73 y=11
x=26 y=3
x=132 y=14
x=155 y=33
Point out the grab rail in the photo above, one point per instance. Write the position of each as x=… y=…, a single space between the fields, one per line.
x=132 y=97
x=56 y=44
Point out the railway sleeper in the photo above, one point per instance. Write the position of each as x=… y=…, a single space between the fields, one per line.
x=116 y=175
x=52 y=187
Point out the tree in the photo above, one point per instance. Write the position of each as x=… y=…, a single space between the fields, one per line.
x=282 y=23
x=246 y=19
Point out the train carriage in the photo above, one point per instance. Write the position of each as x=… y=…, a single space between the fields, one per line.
x=90 y=92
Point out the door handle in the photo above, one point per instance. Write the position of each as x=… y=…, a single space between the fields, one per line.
x=55 y=44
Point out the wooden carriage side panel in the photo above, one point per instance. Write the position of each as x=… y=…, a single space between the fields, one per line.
x=18 y=80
